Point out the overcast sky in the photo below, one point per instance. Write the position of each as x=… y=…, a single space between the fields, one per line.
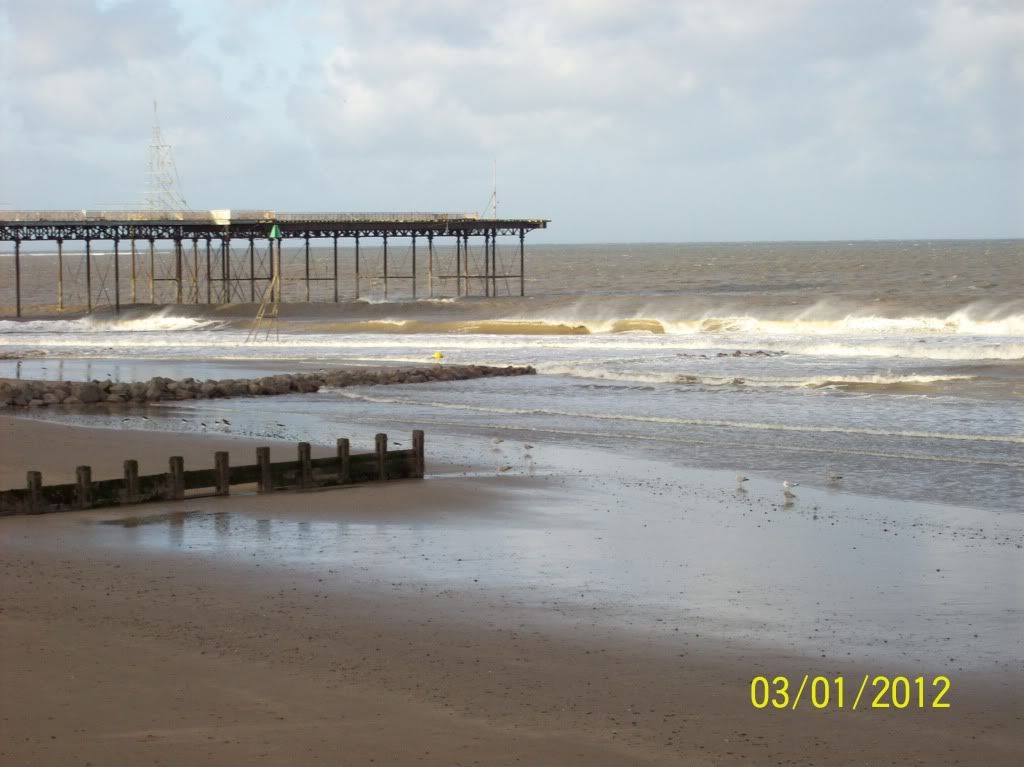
x=620 y=121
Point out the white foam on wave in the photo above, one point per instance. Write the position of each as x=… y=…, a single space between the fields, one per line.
x=151 y=323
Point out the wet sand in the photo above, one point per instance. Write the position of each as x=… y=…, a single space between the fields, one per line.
x=230 y=631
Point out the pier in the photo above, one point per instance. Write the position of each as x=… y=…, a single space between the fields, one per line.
x=225 y=256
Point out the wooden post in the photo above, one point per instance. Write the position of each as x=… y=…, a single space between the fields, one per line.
x=35 y=492
x=265 y=483
x=381 y=443
x=305 y=467
x=176 y=479
x=419 y=462
x=83 y=495
x=60 y=274
x=223 y=471
x=117 y=276
x=344 y=466
x=17 y=278
x=131 y=481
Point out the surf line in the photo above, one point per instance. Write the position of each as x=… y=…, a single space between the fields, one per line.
x=693 y=421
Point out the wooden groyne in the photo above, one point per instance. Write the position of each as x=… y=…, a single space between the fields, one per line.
x=26 y=393
x=343 y=468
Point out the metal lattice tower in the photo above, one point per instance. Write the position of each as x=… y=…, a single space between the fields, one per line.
x=162 y=183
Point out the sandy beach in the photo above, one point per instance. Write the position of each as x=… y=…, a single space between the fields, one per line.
x=195 y=632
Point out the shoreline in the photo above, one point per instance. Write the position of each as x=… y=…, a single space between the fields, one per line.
x=277 y=655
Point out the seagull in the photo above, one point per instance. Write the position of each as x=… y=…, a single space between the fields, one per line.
x=226 y=421
x=497 y=440
x=740 y=479
x=787 y=488
x=527 y=446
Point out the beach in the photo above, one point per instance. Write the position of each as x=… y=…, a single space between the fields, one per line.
x=232 y=631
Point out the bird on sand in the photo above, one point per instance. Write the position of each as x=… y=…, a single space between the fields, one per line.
x=740 y=479
x=787 y=488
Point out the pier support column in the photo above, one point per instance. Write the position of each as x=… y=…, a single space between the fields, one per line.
x=152 y=271
x=252 y=270
x=265 y=483
x=344 y=464
x=381 y=446
x=385 y=267
x=307 y=267
x=195 y=270
x=414 y=267
x=225 y=266
x=335 y=267
x=60 y=275
x=209 y=274
x=17 y=278
x=522 y=263
x=223 y=472
x=487 y=264
x=117 y=276
x=88 y=274
x=357 y=266
x=178 y=287
x=494 y=262
x=430 y=264
x=458 y=265
x=134 y=274
x=465 y=264
x=270 y=257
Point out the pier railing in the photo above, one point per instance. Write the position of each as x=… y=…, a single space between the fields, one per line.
x=305 y=473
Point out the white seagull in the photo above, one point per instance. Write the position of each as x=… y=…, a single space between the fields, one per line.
x=740 y=479
x=787 y=488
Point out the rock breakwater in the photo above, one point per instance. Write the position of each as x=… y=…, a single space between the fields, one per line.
x=23 y=393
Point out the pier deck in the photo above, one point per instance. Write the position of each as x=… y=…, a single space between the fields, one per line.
x=201 y=254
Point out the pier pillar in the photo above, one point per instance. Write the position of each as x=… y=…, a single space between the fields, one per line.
x=522 y=262
x=134 y=273
x=223 y=472
x=83 y=491
x=209 y=274
x=357 y=266
x=305 y=466
x=178 y=288
x=458 y=265
x=117 y=276
x=494 y=262
x=335 y=267
x=270 y=255
x=252 y=270
x=385 y=267
x=225 y=268
x=17 y=278
x=35 y=492
x=60 y=274
x=419 y=461
x=465 y=263
x=176 y=478
x=430 y=264
x=195 y=270
x=88 y=274
x=152 y=271
x=414 y=267
x=307 y=267
x=265 y=483
x=487 y=264
x=131 y=481
x=344 y=465
x=381 y=445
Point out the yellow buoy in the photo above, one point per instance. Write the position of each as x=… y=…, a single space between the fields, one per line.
x=438 y=356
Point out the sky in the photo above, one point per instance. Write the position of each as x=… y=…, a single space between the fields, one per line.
x=640 y=121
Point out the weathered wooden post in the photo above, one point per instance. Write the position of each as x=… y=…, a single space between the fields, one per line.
x=265 y=483
x=131 y=481
x=83 y=495
x=381 y=442
x=35 y=492
x=419 y=463
x=176 y=479
x=305 y=466
x=344 y=464
x=223 y=472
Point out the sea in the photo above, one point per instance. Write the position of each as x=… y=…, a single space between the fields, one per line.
x=885 y=368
